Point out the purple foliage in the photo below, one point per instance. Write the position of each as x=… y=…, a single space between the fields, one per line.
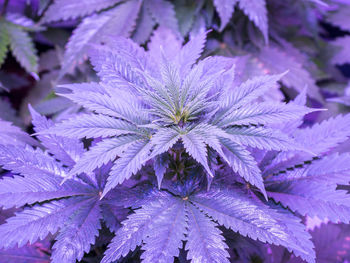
x=174 y=131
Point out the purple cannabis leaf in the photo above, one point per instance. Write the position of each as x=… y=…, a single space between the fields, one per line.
x=168 y=218
x=144 y=28
x=202 y=233
x=163 y=13
x=78 y=233
x=64 y=10
x=73 y=209
x=67 y=150
x=319 y=139
x=256 y=12
x=312 y=190
x=13 y=135
x=225 y=9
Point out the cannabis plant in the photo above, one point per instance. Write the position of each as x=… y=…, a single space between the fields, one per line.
x=173 y=157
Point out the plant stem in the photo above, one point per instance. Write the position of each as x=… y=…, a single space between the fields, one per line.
x=4 y=8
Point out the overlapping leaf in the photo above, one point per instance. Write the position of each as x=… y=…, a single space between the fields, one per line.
x=195 y=213
x=312 y=190
x=36 y=223
x=78 y=234
x=318 y=139
x=112 y=22
x=64 y=10
x=255 y=220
